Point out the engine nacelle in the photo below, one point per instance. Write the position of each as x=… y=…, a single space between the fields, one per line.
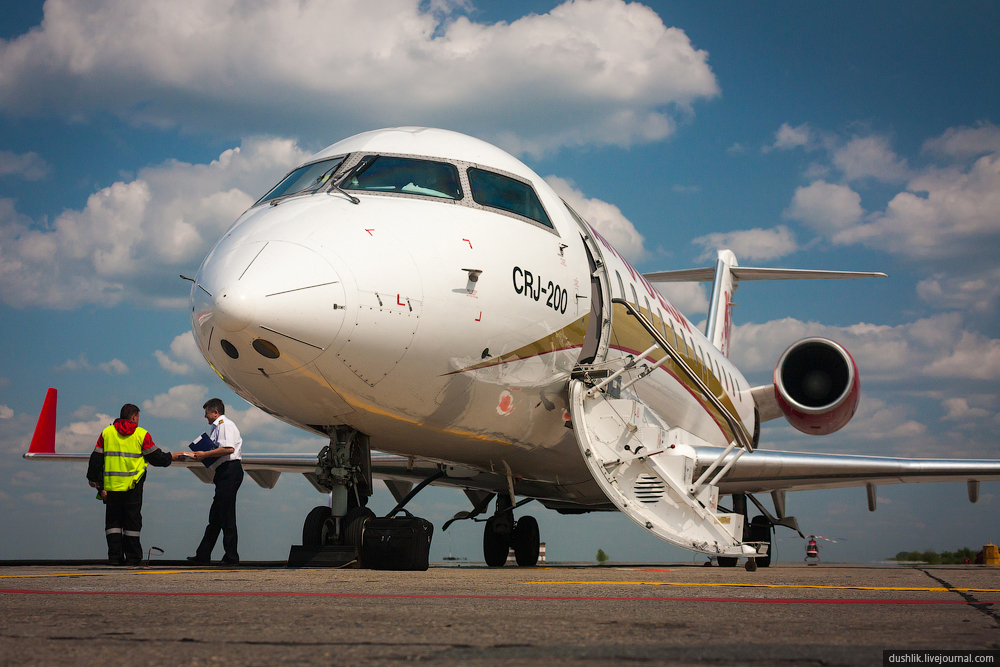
x=817 y=386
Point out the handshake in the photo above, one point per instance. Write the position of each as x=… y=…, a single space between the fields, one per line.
x=189 y=456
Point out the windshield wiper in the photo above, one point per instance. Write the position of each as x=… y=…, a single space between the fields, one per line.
x=350 y=197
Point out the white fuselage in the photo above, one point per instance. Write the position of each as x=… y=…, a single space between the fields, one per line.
x=443 y=329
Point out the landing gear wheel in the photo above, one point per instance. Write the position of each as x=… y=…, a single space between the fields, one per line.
x=751 y=565
x=725 y=561
x=355 y=522
x=495 y=544
x=319 y=529
x=526 y=541
x=760 y=531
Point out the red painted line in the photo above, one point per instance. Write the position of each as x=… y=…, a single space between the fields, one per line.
x=540 y=598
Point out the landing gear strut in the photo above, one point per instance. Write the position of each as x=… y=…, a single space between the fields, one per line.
x=344 y=468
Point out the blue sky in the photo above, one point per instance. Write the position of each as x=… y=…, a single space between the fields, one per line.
x=836 y=135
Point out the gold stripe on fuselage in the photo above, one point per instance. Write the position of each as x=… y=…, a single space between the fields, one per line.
x=570 y=336
x=628 y=336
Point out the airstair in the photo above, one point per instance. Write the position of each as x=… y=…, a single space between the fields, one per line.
x=645 y=466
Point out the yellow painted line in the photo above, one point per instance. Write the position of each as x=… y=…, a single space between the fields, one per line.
x=97 y=574
x=844 y=588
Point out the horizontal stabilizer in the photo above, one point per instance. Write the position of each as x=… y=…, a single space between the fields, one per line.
x=756 y=273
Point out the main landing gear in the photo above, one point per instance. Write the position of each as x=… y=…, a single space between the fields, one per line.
x=502 y=533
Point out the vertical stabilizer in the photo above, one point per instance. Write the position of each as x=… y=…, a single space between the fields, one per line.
x=720 y=308
x=44 y=439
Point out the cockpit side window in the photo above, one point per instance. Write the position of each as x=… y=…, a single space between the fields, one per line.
x=307 y=178
x=507 y=194
x=403 y=175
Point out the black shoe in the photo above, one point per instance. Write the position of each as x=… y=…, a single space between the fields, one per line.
x=194 y=560
x=114 y=563
x=227 y=561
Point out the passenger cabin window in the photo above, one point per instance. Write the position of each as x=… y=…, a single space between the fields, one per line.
x=498 y=191
x=635 y=297
x=621 y=285
x=305 y=179
x=408 y=176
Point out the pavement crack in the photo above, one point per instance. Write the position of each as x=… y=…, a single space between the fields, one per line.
x=985 y=608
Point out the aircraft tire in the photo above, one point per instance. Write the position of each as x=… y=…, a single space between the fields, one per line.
x=760 y=531
x=526 y=541
x=495 y=545
x=355 y=521
x=318 y=527
x=725 y=561
x=751 y=565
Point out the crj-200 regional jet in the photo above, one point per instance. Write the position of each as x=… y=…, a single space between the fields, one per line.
x=425 y=295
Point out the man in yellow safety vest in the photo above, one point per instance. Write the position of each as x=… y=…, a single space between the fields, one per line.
x=117 y=470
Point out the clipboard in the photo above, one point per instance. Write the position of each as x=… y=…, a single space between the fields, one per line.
x=204 y=444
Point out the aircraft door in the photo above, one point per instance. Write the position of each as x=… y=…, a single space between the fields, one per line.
x=595 y=345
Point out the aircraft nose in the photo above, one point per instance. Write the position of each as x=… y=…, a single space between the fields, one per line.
x=267 y=307
x=233 y=308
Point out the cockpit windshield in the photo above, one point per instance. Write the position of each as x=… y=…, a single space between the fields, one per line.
x=307 y=178
x=402 y=175
x=498 y=191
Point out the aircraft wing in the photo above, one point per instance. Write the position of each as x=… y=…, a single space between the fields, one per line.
x=265 y=469
x=764 y=471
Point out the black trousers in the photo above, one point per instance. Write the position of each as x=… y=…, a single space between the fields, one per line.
x=123 y=523
x=222 y=516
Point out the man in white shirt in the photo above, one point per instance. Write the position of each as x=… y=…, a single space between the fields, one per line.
x=228 y=478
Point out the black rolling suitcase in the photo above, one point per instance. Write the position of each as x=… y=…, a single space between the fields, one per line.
x=397 y=543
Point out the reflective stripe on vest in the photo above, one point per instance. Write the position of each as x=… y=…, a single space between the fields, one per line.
x=123 y=460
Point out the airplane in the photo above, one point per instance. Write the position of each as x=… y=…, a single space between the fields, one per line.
x=430 y=306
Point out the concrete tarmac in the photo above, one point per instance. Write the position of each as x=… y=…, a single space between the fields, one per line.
x=665 y=614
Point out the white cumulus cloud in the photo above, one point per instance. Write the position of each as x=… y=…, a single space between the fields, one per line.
x=974 y=356
x=180 y=402
x=586 y=72
x=184 y=355
x=29 y=166
x=606 y=219
x=5 y=412
x=937 y=346
x=113 y=367
x=826 y=207
x=870 y=157
x=977 y=293
x=944 y=212
x=966 y=142
x=751 y=244
x=689 y=298
x=132 y=236
x=959 y=410
x=787 y=137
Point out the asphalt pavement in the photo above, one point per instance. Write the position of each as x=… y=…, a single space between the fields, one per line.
x=90 y=614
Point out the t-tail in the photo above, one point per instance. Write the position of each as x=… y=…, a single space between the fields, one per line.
x=726 y=276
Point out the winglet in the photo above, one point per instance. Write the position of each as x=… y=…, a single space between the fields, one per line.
x=44 y=439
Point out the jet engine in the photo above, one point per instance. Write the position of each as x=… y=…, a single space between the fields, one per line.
x=817 y=386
